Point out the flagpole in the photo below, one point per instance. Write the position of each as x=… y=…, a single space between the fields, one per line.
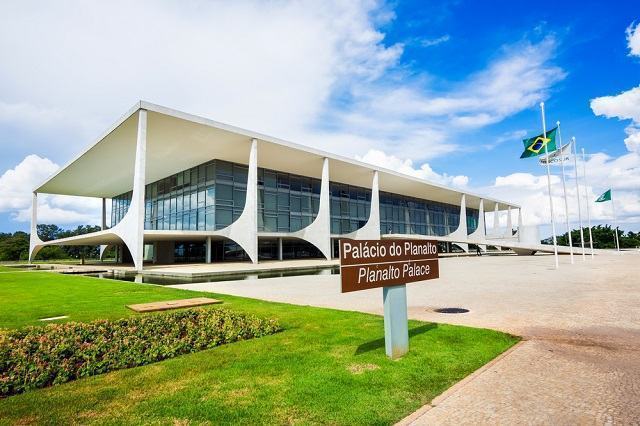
x=575 y=166
x=586 y=196
x=615 y=221
x=546 y=151
x=564 y=189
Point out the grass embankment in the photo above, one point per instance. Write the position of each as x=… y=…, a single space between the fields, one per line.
x=327 y=366
x=5 y=268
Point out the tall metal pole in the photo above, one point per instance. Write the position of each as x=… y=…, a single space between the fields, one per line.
x=575 y=166
x=564 y=189
x=584 y=179
x=546 y=151
x=615 y=221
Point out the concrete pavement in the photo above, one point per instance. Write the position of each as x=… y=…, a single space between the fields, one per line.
x=579 y=362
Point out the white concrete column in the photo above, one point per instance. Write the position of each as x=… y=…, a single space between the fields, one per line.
x=519 y=220
x=318 y=232
x=280 y=256
x=463 y=217
x=244 y=231
x=103 y=247
x=131 y=227
x=371 y=229
x=322 y=229
x=139 y=190
x=251 y=202
x=208 y=254
x=479 y=233
x=496 y=220
x=508 y=233
x=481 y=225
x=34 y=241
x=496 y=225
x=460 y=236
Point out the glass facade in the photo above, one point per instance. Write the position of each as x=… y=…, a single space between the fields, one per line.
x=206 y=197
x=286 y=202
x=473 y=216
x=119 y=206
x=407 y=215
x=349 y=208
x=212 y=195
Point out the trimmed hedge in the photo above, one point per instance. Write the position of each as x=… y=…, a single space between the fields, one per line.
x=36 y=357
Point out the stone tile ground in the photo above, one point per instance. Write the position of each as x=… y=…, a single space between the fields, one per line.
x=579 y=363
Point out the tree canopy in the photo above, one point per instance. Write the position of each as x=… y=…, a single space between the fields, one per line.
x=603 y=238
x=16 y=246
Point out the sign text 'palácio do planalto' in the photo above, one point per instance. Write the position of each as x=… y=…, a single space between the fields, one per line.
x=368 y=264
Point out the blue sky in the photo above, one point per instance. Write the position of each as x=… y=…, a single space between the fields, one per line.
x=441 y=90
x=590 y=49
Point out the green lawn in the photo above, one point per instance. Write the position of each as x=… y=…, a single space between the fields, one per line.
x=327 y=366
x=5 y=268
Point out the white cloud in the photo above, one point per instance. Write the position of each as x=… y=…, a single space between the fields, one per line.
x=308 y=71
x=415 y=120
x=514 y=135
x=269 y=66
x=315 y=72
x=520 y=78
x=17 y=184
x=624 y=106
x=621 y=174
x=632 y=141
x=381 y=159
x=61 y=216
x=633 y=39
x=428 y=42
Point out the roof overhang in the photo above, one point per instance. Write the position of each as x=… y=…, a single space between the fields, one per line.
x=177 y=141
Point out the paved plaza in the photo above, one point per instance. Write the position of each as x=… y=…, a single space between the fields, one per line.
x=579 y=361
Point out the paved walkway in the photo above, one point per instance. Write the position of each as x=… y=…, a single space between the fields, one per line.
x=579 y=362
x=203 y=269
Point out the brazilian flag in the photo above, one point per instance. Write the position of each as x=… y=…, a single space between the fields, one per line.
x=535 y=146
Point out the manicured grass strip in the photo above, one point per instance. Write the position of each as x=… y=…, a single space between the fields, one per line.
x=326 y=366
x=4 y=268
x=25 y=298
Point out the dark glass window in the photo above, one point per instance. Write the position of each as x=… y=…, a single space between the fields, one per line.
x=350 y=207
x=179 y=201
x=212 y=195
x=287 y=202
x=400 y=214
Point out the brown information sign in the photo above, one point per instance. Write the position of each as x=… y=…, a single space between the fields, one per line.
x=368 y=264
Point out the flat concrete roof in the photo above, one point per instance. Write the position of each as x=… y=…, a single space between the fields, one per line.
x=177 y=141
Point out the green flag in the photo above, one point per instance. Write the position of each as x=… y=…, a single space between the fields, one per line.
x=604 y=197
x=535 y=146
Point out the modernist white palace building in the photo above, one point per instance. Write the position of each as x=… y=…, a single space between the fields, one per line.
x=185 y=188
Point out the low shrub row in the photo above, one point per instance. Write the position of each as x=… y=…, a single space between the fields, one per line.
x=37 y=357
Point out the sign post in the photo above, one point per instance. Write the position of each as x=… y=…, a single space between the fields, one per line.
x=366 y=264
x=396 y=321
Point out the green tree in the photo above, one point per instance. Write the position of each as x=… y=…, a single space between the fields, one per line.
x=48 y=232
x=14 y=246
x=603 y=238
